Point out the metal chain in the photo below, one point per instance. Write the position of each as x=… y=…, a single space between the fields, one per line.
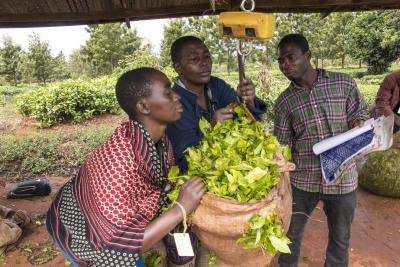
x=250 y=2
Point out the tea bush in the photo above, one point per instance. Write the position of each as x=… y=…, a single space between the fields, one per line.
x=10 y=90
x=69 y=101
x=77 y=100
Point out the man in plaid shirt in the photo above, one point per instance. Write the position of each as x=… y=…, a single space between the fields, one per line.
x=317 y=104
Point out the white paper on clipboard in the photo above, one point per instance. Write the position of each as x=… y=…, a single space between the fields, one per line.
x=336 y=151
x=336 y=140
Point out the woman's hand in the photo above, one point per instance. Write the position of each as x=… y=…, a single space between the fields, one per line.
x=191 y=193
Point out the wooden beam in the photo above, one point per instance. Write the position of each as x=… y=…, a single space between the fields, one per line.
x=60 y=19
x=99 y=15
x=99 y=11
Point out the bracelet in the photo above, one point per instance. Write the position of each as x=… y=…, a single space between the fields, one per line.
x=184 y=214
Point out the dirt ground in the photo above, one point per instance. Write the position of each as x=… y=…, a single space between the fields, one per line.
x=375 y=237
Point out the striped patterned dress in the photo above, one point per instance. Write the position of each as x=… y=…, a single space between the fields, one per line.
x=98 y=218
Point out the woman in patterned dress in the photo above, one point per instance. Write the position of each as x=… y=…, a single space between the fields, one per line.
x=110 y=212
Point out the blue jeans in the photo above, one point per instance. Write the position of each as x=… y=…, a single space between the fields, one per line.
x=339 y=210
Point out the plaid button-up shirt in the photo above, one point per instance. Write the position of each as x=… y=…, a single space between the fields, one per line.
x=304 y=117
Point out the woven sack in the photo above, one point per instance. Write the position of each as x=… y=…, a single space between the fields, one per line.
x=219 y=222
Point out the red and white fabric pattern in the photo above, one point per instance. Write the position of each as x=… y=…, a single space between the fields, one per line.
x=120 y=188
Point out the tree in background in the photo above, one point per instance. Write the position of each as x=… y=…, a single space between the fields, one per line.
x=338 y=26
x=60 y=70
x=39 y=59
x=10 y=63
x=107 y=46
x=205 y=28
x=140 y=58
x=26 y=68
x=326 y=36
x=311 y=26
x=78 y=64
x=374 y=38
x=172 y=31
x=222 y=48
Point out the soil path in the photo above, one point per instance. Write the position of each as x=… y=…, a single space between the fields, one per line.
x=375 y=237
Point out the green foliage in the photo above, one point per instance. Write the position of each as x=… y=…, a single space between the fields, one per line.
x=15 y=151
x=10 y=61
x=236 y=160
x=222 y=49
x=338 y=26
x=265 y=232
x=368 y=86
x=143 y=58
x=36 y=165
x=170 y=72
x=153 y=259
x=9 y=90
x=327 y=37
x=381 y=173
x=107 y=46
x=140 y=58
x=60 y=69
x=175 y=29
x=69 y=101
x=78 y=65
x=56 y=153
x=39 y=59
x=374 y=39
x=310 y=25
x=212 y=259
x=26 y=69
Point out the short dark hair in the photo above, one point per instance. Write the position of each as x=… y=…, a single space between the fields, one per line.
x=178 y=44
x=134 y=85
x=297 y=39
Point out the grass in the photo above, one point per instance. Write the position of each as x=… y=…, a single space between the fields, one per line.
x=39 y=253
x=153 y=259
x=11 y=90
x=55 y=153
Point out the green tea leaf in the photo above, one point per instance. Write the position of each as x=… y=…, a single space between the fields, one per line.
x=236 y=159
x=265 y=232
x=279 y=244
x=173 y=173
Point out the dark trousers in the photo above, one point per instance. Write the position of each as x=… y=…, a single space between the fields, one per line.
x=339 y=210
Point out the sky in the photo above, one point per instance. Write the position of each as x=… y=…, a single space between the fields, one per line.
x=68 y=38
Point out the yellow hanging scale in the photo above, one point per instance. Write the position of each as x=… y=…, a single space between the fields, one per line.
x=246 y=25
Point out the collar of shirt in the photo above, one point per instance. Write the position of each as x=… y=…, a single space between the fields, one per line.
x=189 y=98
x=190 y=94
x=321 y=74
x=206 y=87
